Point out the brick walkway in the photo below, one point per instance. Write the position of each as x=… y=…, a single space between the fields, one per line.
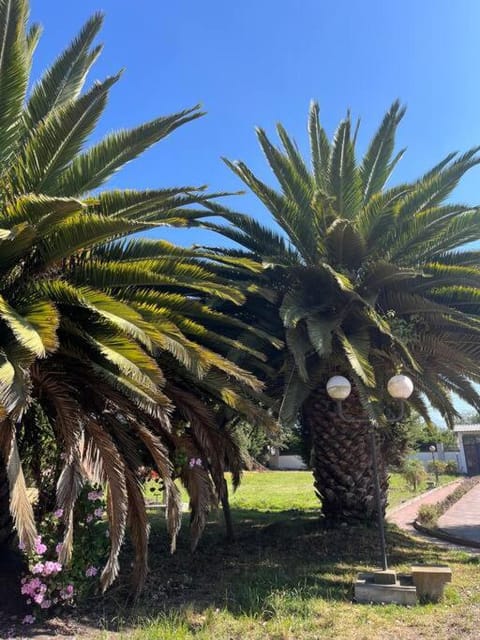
x=463 y=518
x=404 y=515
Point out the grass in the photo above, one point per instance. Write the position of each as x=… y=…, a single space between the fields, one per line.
x=399 y=491
x=286 y=578
x=293 y=490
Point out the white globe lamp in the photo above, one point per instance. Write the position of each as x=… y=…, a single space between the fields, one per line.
x=338 y=388
x=400 y=387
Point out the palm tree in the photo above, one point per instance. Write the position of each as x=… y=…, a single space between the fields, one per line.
x=102 y=333
x=369 y=280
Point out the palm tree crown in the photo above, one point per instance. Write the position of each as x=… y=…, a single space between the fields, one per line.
x=92 y=320
x=367 y=281
x=373 y=277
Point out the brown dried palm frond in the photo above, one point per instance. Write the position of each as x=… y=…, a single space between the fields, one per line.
x=105 y=466
x=20 y=505
x=139 y=529
x=200 y=487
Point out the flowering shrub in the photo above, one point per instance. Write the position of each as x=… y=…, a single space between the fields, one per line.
x=194 y=462
x=49 y=585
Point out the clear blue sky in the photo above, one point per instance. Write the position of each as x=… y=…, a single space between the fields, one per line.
x=256 y=62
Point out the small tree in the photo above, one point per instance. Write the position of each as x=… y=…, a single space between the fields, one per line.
x=414 y=473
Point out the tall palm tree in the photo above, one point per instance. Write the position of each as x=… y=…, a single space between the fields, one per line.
x=370 y=280
x=99 y=329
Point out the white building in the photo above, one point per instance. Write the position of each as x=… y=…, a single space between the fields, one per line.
x=468 y=436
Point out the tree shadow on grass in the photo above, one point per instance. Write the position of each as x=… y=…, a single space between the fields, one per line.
x=280 y=563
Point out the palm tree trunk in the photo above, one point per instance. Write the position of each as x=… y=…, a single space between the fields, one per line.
x=227 y=514
x=342 y=460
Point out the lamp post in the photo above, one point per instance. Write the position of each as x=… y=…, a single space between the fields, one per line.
x=399 y=387
x=432 y=448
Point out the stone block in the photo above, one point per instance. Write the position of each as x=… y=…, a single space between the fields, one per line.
x=366 y=590
x=430 y=581
x=387 y=576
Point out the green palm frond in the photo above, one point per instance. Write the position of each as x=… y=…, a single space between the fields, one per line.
x=320 y=148
x=13 y=75
x=64 y=80
x=344 y=178
x=91 y=169
x=377 y=162
x=58 y=138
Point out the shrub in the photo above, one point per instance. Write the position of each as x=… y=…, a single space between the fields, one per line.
x=428 y=515
x=414 y=473
x=451 y=467
x=438 y=466
x=48 y=584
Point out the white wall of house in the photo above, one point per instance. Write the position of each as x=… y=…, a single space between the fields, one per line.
x=462 y=464
x=296 y=463
x=287 y=463
x=425 y=457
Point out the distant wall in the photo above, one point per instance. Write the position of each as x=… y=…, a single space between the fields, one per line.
x=296 y=463
x=287 y=463
x=425 y=457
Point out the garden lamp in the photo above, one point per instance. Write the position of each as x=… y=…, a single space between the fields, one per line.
x=399 y=387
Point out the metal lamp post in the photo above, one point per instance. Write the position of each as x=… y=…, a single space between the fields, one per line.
x=399 y=387
x=432 y=448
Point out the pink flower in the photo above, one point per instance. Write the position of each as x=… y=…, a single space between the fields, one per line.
x=98 y=512
x=38 y=568
x=31 y=586
x=51 y=568
x=191 y=463
x=38 y=598
x=95 y=495
x=29 y=619
x=21 y=546
x=67 y=593
x=89 y=518
x=59 y=547
x=40 y=548
x=91 y=571
x=46 y=604
x=198 y=462
x=58 y=513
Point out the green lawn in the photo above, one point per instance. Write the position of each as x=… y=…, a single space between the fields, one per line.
x=286 y=578
x=288 y=490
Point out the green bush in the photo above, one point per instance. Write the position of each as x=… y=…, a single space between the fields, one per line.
x=414 y=473
x=438 y=466
x=428 y=515
x=451 y=468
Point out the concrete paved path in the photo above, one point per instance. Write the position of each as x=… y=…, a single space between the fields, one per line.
x=462 y=520
x=403 y=515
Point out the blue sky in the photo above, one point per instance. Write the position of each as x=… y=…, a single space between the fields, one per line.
x=256 y=62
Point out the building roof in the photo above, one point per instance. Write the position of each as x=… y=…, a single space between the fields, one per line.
x=466 y=428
